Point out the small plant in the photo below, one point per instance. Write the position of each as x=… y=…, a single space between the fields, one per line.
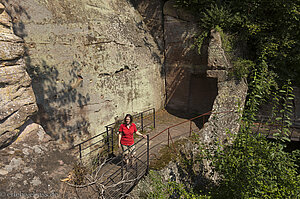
x=78 y=174
x=215 y=16
x=200 y=40
x=159 y=188
x=241 y=68
x=177 y=190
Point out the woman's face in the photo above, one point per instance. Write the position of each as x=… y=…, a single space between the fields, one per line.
x=127 y=120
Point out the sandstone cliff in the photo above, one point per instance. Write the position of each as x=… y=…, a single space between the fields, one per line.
x=17 y=100
x=90 y=61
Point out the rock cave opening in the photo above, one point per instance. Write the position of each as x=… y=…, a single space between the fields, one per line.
x=191 y=95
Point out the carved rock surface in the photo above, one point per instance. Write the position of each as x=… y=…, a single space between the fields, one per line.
x=90 y=62
x=17 y=100
x=186 y=86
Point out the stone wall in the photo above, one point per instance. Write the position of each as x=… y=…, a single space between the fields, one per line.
x=90 y=62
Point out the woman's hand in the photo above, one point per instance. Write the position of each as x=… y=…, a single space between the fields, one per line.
x=138 y=133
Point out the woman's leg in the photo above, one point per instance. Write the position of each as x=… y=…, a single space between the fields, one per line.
x=125 y=153
x=131 y=154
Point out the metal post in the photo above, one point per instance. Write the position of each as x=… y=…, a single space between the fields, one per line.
x=142 y=121
x=154 y=117
x=122 y=175
x=80 y=155
x=107 y=137
x=190 y=127
x=112 y=141
x=258 y=127
x=168 y=138
x=148 y=148
x=173 y=144
x=136 y=171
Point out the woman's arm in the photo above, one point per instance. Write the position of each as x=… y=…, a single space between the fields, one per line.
x=138 y=133
x=120 y=136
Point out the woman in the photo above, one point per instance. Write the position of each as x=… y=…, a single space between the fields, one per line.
x=126 y=140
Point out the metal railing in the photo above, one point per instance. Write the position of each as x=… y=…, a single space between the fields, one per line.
x=119 y=177
x=203 y=116
x=268 y=124
x=95 y=145
x=140 y=121
x=104 y=143
x=123 y=177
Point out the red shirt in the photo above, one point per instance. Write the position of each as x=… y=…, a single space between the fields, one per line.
x=127 y=134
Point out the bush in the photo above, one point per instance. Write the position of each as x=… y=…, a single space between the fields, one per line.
x=256 y=168
x=241 y=68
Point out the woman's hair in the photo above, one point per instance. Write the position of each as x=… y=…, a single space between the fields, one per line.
x=130 y=116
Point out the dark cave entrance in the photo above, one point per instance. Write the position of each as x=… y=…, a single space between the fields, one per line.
x=189 y=95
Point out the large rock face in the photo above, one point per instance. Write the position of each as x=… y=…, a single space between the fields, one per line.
x=17 y=100
x=231 y=94
x=90 y=61
x=152 y=13
x=195 y=83
x=188 y=89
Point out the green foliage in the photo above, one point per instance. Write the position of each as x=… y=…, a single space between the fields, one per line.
x=241 y=68
x=227 y=40
x=262 y=82
x=251 y=167
x=177 y=190
x=215 y=16
x=282 y=111
x=159 y=188
x=271 y=29
x=196 y=6
x=200 y=40
x=255 y=168
x=153 y=186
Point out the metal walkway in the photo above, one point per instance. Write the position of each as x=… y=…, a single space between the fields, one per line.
x=117 y=177
x=102 y=151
